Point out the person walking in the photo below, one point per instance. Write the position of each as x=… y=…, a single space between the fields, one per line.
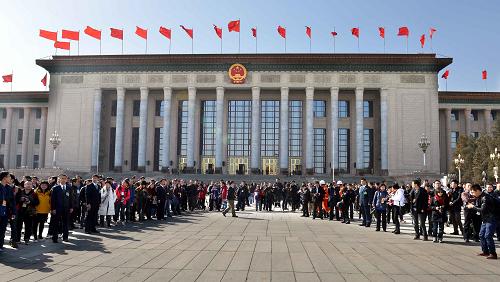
x=398 y=201
x=231 y=196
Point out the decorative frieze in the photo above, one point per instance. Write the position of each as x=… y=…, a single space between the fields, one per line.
x=206 y=78
x=179 y=78
x=109 y=79
x=270 y=78
x=155 y=78
x=132 y=78
x=412 y=78
x=371 y=78
x=72 y=79
x=297 y=78
x=347 y=78
x=322 y=78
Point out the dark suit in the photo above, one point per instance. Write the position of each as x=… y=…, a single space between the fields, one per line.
x=420 y=203
x=61 y=201
x=93 y=198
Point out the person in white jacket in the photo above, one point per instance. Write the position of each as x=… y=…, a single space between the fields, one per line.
x=107 y=207
x=398 y=201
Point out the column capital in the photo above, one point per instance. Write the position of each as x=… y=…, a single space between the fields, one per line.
x=359 y=89
x=309 y=88
x=120 y=88
x=167 y=88
x=98 y=92
x=334 y=89
x=255 y=88
x=191 y=88
x=144 y=92
x=120 y=92
x=143 y=88
x=219 y=89
x=284 y=88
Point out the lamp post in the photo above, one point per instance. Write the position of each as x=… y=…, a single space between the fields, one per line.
x=485 y=178
x=424 y=143
x=55 y=140
x=458 y=164
x=495 y=157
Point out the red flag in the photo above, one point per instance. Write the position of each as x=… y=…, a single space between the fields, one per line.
x=141 y=32
x=93 y=32
x=446 y=74
x=71 y=35
x=485 y=75
x=7 y=78
x=282 y=31
x=50 y=35
x=117 y=33
x=431 y=32
x=308 y=31
x=62 y=45
x=334 y=33
x=403 y=31
x=381 y=32
x=355 y=31
x=254 y=32
x=234 y=26
x=188 y=31
x=44 y=80
x=422 y=40
x=218 y=31
x=166 y=32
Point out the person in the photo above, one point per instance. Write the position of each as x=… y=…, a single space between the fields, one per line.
x=93 y=197
x=123 y=197
x=398 y=200
x=306 y=199
x=439 y=206
x=456 y=207
x=161 y=194
x=472 y=221
x=317 y=194
x=61 y=202
x=486 y=205
x=26 y=201
x=107 y=205
x=419 y=204
x=365 y=201
x=42 y=209
x=380 y=204
x=345 y=203
x=231 y=196
x=7 y=204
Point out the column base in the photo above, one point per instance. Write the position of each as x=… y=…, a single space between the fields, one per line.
x=141 y=169
x=117 y=169
x=189 y=170
x=284 y=171
x=255 y=171
x=309 y=171
x=93 y=168
x=218 y=170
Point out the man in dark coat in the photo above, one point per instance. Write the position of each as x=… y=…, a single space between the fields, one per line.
x=161 y=196
x=93 y=197
x=420 y=203
x=7 y=204
x=61 y=202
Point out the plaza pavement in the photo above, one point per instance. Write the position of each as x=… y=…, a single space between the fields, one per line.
x=263 y=246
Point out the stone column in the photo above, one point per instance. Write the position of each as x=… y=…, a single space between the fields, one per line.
x=167 y=103
x=284 y=131
x=384 y=149
x=143 y=128
x=334 y=102
x=448 y=136
x=8 y=136
x=120 y=123
x=309 y=131
x=26 y=130
x=219 y=123
x=467 y=117
x=190 y=128
x=359 y=128
x=487 y=120
x=96 y=129
x=255 y=147
x=43 y=137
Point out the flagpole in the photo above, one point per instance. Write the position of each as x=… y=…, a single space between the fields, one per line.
x=12 y=80
x=192 y=46
x=169 y=45
x=221 y=45
x=285 y=44
x=78 y=44
x=256 y=35
x=432 y=50
x=239 y=37
x=310 y=49
x=334 y=40
x=407 y=44
x=358 y=39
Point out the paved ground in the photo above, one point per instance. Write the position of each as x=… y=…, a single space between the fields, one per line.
x=254 y=247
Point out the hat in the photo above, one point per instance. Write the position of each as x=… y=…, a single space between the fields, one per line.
x=321 y=182
x=339 y=182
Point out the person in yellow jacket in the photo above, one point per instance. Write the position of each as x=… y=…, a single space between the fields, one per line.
x=42 y=209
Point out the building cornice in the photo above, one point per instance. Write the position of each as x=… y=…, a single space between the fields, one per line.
x=468 y=97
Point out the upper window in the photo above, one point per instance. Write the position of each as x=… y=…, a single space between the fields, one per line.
x=38 y=113
x=474 y=115
x=21 y=113
x=494 y=115
x=136 y=109
x=4 y=113
x=343 y=109
x=454 y=115
x=113 y=108
x=367 y=109
x=319 y=108
x=454 y=139
x=158 y=108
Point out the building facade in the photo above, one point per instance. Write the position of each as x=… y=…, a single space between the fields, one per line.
x=283 y=114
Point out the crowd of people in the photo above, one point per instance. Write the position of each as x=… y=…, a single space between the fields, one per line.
x=104 y=202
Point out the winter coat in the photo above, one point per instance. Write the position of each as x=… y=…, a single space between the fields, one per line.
x=108 y=198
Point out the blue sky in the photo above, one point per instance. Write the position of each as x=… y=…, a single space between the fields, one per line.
x=468 y=31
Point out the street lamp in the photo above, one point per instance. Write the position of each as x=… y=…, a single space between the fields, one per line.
x=495 y=157
x=424 y=143
x=458 y=164
x=55 y=140
x=485 y=178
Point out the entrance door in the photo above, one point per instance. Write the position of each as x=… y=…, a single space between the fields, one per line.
x=238 y=165
x=295 y=166
x=270 y=166
x=207 y=165
x=182 y=163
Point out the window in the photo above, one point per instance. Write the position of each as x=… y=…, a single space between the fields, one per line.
x=136 y=108
x=208 y=127
x=239 y=128
x=474 y=134
x=319 y=108
x=343 y=148
x=38 y=113
x=4 y=113
x=270 y=128
x=454 y=115
x=21 y=113
x=37 y=136
x=2 y=159
x=20 y=136
x=319 y=150
x=18 y=161
x=493 y=115
x=113 y=108
x=158 y=108
x=454 y=139
x=36 y=161
x=474 y=115
x=182 y=128
x=295 y=128
x=367 y=148
x=367 y=109
x=343 y=109
x=2 y=136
